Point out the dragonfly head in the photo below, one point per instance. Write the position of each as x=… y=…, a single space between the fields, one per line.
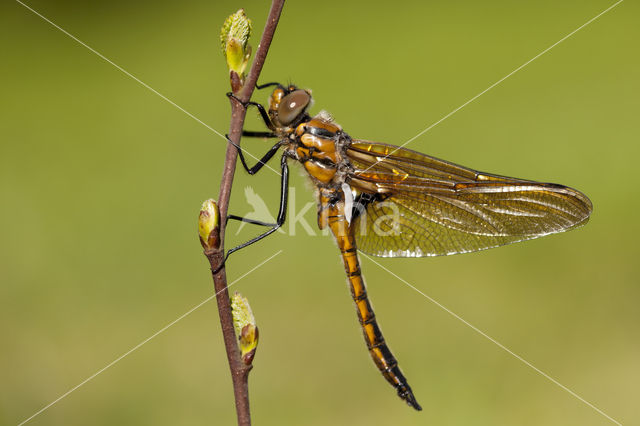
x=288 y=105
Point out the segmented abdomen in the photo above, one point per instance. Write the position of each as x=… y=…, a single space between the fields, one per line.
x=378 y=349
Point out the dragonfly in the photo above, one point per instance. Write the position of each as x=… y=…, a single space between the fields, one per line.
x=390 y=201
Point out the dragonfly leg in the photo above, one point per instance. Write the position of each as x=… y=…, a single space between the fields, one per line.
x=261 y=109
x=264 y=86
x=284 y=178
x=251 y=221
x=282 y=211
x=253 y=170
x=251 y=134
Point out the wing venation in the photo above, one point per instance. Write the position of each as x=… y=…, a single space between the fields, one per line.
x=433 y=207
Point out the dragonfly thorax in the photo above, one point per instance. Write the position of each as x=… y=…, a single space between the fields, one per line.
x=318 y=143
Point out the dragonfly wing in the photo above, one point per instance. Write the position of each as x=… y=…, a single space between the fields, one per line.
x=424 y=206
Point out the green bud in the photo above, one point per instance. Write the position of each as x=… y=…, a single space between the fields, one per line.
x=209 y=225
x=234 y=39
x=245 y=326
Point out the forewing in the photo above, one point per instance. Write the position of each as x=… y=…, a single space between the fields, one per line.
x=430 y=207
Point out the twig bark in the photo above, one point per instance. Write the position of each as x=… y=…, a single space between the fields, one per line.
x=239 y=371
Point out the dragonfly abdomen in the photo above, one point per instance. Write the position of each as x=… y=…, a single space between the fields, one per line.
x=378 y=349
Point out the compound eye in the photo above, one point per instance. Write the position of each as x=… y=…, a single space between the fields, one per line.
x=292 y=105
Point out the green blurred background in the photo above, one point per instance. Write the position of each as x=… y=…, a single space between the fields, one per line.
x=101 y=182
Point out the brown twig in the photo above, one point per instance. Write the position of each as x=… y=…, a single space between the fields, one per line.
x=239 y=371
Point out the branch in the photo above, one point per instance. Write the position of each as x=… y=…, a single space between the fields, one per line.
x=239 y=370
